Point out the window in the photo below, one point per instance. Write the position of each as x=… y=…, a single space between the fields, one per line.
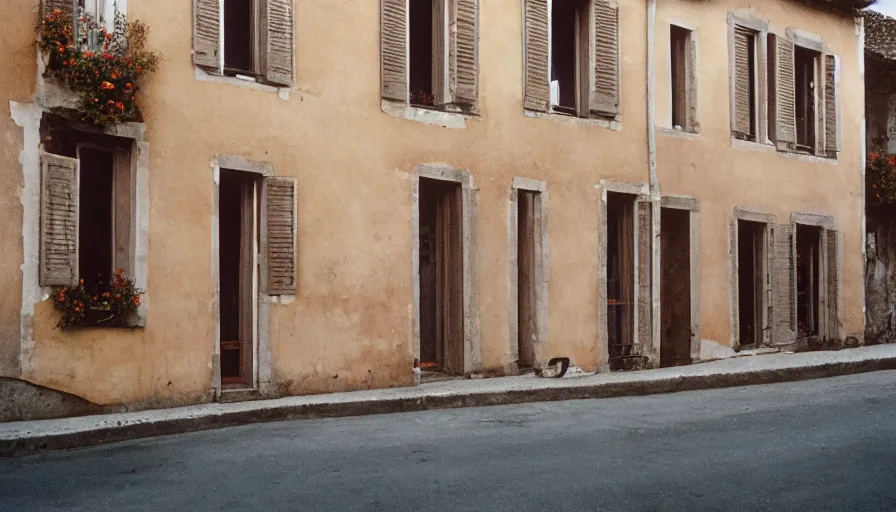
x=430 y=53
x=254 y=42
x=572 y=57
x=805 y=62
x=683 y=57
x=745 y=121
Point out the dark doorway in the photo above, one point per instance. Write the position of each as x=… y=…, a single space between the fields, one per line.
x=750 y=283
x=95 y=218
x=675 y=287
x=528 y=235
x=420 y=27
x=620 y=274
x=808 y=269
x=236 y=252
x=441 y=277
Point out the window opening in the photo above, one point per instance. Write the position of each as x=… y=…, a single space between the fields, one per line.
x=675 y=287
x=808 y=270
x=805 y=63
x=95 y=219
x=750 y=285
x=569 y=56
x=239 y=36
x=620 y=274
x=420 y=26
x=678 y=43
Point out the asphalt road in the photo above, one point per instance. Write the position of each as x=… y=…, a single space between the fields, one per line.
x=815 y=445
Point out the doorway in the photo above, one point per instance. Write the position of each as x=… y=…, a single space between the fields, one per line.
x=751 y=243
x=675 y=287
x=529 y=230
x=620 y=274
x=441 y=276
x=808 y=271
x=238 y=260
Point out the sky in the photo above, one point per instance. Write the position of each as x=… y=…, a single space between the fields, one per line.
x=887 y=7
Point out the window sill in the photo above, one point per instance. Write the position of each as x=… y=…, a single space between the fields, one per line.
x=679 y=134
x=769 y=147
x=610 y=124
x=204 y=76
x=428 y=116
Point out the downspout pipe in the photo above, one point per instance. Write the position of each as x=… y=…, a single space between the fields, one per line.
x=654 y=356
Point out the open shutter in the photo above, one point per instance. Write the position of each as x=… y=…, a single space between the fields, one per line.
x=645 y=266
x=207 y=34
x=783 y=262
x=691 y=84
x=833 y=285
x=394 y=49
x=537 y=86
x=58 y=220
x=279 y=48
x=466 y=52
x=831 y=130
x=443 y=68
x=66 y=6
x=742 y=121
x=278 y=227
x=784 y=91
x=605 y=88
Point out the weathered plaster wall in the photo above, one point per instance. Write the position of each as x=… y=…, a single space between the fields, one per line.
x=350 y=325
x=724 y=175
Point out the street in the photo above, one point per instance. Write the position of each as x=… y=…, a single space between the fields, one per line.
x=813 y=445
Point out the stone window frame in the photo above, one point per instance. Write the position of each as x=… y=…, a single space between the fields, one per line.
x=469 y=214
x=542 y=272
x=691 y=205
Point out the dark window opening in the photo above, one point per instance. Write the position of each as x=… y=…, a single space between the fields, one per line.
x=808 y=270
x=804 y=71
x=620 y=273
x=750 y=286
x=95 y=248
x=678 y=44
x=239 y=44
x=564 y=28
x=420 y=27
x=675 y=287
x=751 y=49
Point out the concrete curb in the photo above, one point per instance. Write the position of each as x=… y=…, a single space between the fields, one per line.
x=36 y=442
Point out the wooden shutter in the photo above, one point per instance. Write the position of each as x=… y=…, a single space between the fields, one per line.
x=831 y=130
x=645 y=266
x=833 y=284
x=742 y=120
x=278 y=227
x=784 y=86
x=537 y=94
x=691 y=85
x=466 y=51
x=279 y=47
x=394 y=49
x=783 y=262
x=58 y=220
x=207 y=34
x=605 y=89
x=66 y=6
x=443 y=68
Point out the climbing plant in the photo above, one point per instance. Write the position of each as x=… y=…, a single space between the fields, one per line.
x=880 y=179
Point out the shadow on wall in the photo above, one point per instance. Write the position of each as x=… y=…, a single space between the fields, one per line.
x=24 y=401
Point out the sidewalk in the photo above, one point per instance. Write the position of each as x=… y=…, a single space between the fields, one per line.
x=19 y=438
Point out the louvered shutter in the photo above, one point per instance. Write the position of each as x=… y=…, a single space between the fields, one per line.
x=65 y=6
x=691 y=85
x=58 y=220
x=605 y=84
x=443 y=66
x=784 y=86
x=466 y=51
x=831 y=130
x=833 y=284
x=394 y=49
x=645 y=266
x=207 y=34
x=279 y=47
x=742 y=120
x=537 y=86
x=783 y=262
x=278 y=226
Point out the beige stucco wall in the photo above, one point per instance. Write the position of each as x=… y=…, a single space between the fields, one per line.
x=350 y=326
x=723 y=177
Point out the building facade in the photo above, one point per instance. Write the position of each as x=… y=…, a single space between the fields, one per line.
x=321 y=198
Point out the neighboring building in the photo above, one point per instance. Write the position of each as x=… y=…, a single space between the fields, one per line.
x=475 y=186
x=880 y=112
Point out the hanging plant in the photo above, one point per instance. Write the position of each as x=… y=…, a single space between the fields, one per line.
x=102 y=68
x=79 y=307
x=880 y=179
